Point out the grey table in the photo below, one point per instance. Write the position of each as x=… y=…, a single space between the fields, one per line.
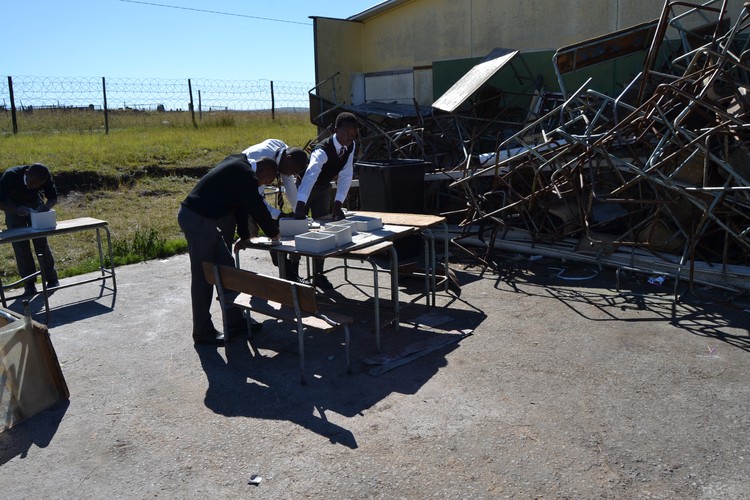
x=63 y=227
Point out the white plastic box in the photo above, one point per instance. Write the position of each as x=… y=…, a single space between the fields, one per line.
x=43 y=220
x=316 y=242
x=342 y=232
x=345 y=223
x=292 y=227
x=364 y=223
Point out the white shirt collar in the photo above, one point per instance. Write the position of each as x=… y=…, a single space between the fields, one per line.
x=337 y=144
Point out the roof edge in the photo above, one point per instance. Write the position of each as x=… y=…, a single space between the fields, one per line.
x=376 y=9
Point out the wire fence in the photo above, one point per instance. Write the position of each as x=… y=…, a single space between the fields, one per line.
x=22 y=95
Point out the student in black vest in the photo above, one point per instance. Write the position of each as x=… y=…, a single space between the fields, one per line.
x=331 y=158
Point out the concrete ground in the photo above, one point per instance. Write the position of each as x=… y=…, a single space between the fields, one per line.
x=542 y=382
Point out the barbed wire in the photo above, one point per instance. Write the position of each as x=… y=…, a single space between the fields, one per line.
x=152 y=93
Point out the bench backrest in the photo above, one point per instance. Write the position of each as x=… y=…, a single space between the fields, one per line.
x=262 y=286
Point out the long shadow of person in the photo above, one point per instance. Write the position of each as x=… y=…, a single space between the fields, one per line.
x=230 y=393
x=267 y=386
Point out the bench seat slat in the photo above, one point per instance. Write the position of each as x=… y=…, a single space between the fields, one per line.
x=276 y=298
x=286 y=313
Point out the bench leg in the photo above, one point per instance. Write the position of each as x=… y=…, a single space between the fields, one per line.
x=348 y=352
x=249 y=326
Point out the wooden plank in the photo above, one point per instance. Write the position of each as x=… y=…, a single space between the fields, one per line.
x=274 y=289
x=420 y=221
x=371 y=250
x=284 y=313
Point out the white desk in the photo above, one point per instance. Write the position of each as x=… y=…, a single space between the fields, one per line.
x=62 y=227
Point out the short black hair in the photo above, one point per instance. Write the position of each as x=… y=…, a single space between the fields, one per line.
x=266 y=161
x=298 y=158
x=346 y=119
x=39 y=171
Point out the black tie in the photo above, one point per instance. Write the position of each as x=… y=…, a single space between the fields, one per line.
x=342 y=153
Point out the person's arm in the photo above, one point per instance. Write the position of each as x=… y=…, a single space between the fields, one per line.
x=50 y=196
x=254 y=205
x=11 y=207
x=290 y=189
x=275 y=212
x=7 y=184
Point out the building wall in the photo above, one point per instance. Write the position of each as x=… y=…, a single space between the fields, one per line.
x=338 y=49
x=419 y=32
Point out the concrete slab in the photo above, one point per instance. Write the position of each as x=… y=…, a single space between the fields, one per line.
x=564 y=388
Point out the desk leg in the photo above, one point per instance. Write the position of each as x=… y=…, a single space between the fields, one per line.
x=426 y=266
x=111 y=258
x=394 y=285
x=445 y=254
x=432 y=271
x=377 y=303
x=40 y=258
x=102 y=266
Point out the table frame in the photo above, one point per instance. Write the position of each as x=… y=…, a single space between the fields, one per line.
x=63 y=227
x=423 y=223
x=352 y=250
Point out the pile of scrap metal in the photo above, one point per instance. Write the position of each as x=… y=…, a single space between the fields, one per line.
x=654 y=179
x=392 y=131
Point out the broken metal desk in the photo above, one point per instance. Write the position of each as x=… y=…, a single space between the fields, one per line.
x=65 y=226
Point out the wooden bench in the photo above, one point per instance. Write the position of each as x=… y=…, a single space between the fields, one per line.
x=277 y=298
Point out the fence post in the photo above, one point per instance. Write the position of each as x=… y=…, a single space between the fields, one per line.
x=106 y=109
x=273 y=103
x=192 y=107
x=12 y=106
x=200 y=106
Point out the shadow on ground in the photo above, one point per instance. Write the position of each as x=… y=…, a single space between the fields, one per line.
x=267 y=385
x=699 y=310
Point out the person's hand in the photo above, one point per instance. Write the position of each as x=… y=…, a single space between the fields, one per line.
x=241 y=244
x=276 y=240
x=43 y=207
x=23 y=211
x=299 y=211
x=338 y=212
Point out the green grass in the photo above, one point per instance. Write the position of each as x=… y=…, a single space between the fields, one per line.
x=151 y=167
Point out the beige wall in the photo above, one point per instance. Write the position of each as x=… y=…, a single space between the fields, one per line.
x=422 y=31
x=338 y=48
x=419 y=32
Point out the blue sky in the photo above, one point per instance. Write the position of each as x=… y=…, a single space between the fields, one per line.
x=125 y=39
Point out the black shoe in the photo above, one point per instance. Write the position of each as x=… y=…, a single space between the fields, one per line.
x=322 y=283
x=213 y=337
x=53 y=284
x=29 y=291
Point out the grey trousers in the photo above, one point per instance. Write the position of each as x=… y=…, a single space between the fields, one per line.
x=205 y=243
x=22 y=250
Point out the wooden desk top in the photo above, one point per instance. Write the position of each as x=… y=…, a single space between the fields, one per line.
x=420 y=221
